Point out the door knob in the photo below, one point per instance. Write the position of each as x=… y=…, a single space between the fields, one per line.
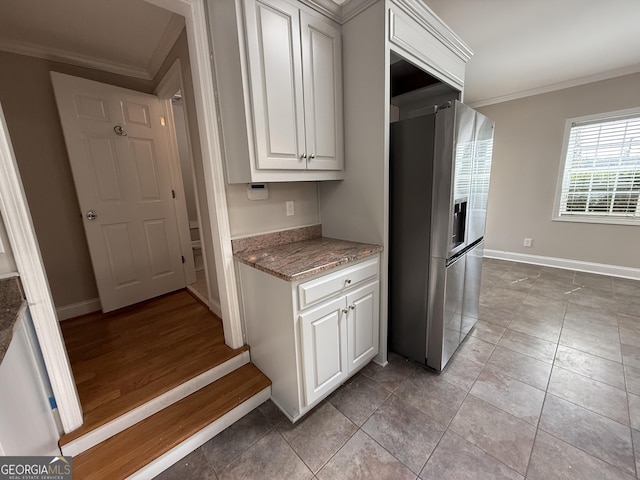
x=91 y=215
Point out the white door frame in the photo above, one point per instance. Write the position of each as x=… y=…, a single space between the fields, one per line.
x=25 y=247
x=168 y=86
x=22 y=237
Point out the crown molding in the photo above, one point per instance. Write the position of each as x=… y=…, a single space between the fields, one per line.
x=169 y=37
x=576 y=82
x=63 y=56
x=355 y=7
x=340 y=13
x=432 y=23
x=326 y=7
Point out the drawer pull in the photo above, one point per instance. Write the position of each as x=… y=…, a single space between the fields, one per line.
x=348 y=281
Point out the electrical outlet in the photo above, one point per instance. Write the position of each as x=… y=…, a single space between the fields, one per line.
x=290 y=209
x=527 y=242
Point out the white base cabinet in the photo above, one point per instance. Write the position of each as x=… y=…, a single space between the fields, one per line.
x=309 y=336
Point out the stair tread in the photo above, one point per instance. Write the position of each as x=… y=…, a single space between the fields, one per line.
x=130 y=450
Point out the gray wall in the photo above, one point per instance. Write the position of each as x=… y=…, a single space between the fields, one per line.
x=250 y=217
x=7 y=264
x=527 y=154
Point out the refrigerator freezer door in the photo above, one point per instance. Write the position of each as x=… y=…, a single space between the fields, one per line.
x=445 y=320
x=472 y=278
x=481 y=171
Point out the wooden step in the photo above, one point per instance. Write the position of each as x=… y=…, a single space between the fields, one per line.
x=90 y=435
x=152 y=445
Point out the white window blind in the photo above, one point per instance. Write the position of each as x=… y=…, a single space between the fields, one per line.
x=601 y=177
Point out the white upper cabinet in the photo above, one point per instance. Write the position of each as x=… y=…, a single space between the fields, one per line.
x=279 y=81
x=322 y=73
x=275 y=68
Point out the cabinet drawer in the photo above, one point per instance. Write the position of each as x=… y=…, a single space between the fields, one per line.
x=328 y=285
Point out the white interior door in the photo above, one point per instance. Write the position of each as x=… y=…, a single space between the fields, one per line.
x=118 y=153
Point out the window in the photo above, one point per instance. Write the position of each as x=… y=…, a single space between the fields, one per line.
x=600 y=177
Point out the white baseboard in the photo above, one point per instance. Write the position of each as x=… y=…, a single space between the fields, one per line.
x=76 y=309
x=214 y=305
x=565 y=263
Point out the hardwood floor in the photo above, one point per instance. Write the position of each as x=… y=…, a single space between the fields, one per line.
x=122 y=359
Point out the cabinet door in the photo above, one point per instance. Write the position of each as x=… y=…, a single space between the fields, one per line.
x=322 y=66
x=362 y=325
x=324 y=350
x=275 y=73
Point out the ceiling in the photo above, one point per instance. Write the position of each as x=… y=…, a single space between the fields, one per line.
x=524 y=47
x=521 y=47
x=130 y=37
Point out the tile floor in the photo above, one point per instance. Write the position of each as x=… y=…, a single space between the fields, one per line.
x=546 y=386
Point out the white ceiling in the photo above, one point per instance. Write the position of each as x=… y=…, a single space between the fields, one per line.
x=130 y=37
x=523 y=47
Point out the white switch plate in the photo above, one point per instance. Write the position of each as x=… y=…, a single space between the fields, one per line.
x=527 y=242
x=290 y=208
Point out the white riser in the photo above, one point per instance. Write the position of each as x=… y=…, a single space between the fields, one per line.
x=153 y=406
x=163 y=462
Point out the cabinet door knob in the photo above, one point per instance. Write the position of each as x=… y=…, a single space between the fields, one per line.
x=352 y=307
x=312 y=156
x=345 y=311
x=303 y=156
x=348 y=281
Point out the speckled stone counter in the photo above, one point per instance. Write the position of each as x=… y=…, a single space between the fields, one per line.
x=300 y=259
x=11 y=300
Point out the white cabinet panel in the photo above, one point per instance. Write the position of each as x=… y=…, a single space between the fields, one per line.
x=322 y=65
x=324 y=349
x=426 y=50
x=362 y=322
x=275 y=67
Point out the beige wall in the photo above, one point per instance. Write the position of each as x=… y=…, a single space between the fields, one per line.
x=527 y=153
x=27 y=98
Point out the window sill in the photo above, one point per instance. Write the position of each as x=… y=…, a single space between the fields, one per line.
x=600 y=220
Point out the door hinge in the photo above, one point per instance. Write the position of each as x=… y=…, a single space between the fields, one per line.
x=182 y=258
x=173 y=193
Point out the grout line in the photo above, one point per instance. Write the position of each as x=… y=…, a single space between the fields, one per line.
x=587 y=453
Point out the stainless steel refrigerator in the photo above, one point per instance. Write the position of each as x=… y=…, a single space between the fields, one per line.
x=439 y=167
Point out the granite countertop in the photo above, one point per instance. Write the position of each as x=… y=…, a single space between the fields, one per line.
x=303 y=258
x=11 y=299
